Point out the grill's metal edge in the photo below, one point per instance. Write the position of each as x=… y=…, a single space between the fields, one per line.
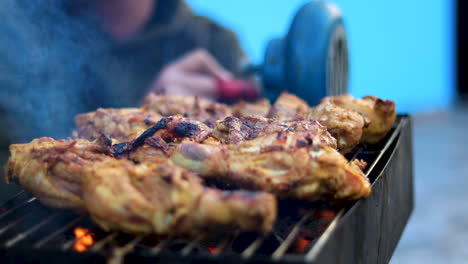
x=314 y=252
x=357 y=236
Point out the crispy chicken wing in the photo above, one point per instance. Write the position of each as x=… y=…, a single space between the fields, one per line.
x=289 y=166
x=379 y=113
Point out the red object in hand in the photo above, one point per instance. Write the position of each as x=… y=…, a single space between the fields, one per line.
x=236 y=89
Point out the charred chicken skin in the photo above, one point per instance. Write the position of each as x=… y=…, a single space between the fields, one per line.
x=258 y=132
x=156 y=197
x=119 y=124
x=288 y=165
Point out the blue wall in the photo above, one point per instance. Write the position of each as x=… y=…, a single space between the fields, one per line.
x=400 y=50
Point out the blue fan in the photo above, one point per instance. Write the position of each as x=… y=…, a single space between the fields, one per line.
x=311 y=60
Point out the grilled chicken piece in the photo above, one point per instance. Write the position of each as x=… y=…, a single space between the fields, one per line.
x=380 y=114
x=193 y=107
x=340 y=114
x=120 y=124
x=233 y=130
x=161 y=198
x=288 y=107
x=343 y=124
x=288 y=166
x=155 y=197
x=179 y=128
x=258 y=108
x=53 y=170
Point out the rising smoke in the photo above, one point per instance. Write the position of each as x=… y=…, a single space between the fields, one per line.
x=44 y=74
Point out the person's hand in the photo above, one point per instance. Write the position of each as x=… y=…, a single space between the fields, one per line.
x=196 y=73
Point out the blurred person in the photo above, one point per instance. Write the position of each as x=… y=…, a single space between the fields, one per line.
x=170 y=30
x=67 y=57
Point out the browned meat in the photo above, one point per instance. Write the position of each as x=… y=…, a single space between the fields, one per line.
x=120 y=124
x=380 y=114
x=53 y=170
x=193 y=107
x=258 y=108
x=155 y=197
x=288 y=107
x=349 y=120
x=161 y=198
x=289 y=166
x=233 y=130
x=343 y=124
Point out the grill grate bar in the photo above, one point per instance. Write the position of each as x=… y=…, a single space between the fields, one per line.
x=12 y=198
x=134 y=241
x=33 y=229
x=118 y=253
x=160 y=246
x=46 y=239
x=281 y=250
x=12 y=224
x=11 y=210
x=313 y=252
x=249 y=251
x=359 y=151
x=188 y=248
x=101 y=243
x=225 y=243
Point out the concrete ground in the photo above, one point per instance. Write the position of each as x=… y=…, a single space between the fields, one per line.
x=438 y=229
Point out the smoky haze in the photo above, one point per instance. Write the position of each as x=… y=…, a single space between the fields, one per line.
x=44 y=74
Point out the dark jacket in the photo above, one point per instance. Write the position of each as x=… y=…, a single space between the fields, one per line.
x=55 y=62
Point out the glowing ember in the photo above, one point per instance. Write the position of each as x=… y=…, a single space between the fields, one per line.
x=84 y=240
x=325 y=214
x=213 y=250
x=302 y=245
x=303 y=212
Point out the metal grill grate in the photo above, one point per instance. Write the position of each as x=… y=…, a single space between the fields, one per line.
x=27 y=225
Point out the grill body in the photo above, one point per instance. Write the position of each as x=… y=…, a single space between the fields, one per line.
x=366 y=231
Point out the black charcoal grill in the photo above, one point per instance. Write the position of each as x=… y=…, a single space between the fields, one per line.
x=366 y=231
